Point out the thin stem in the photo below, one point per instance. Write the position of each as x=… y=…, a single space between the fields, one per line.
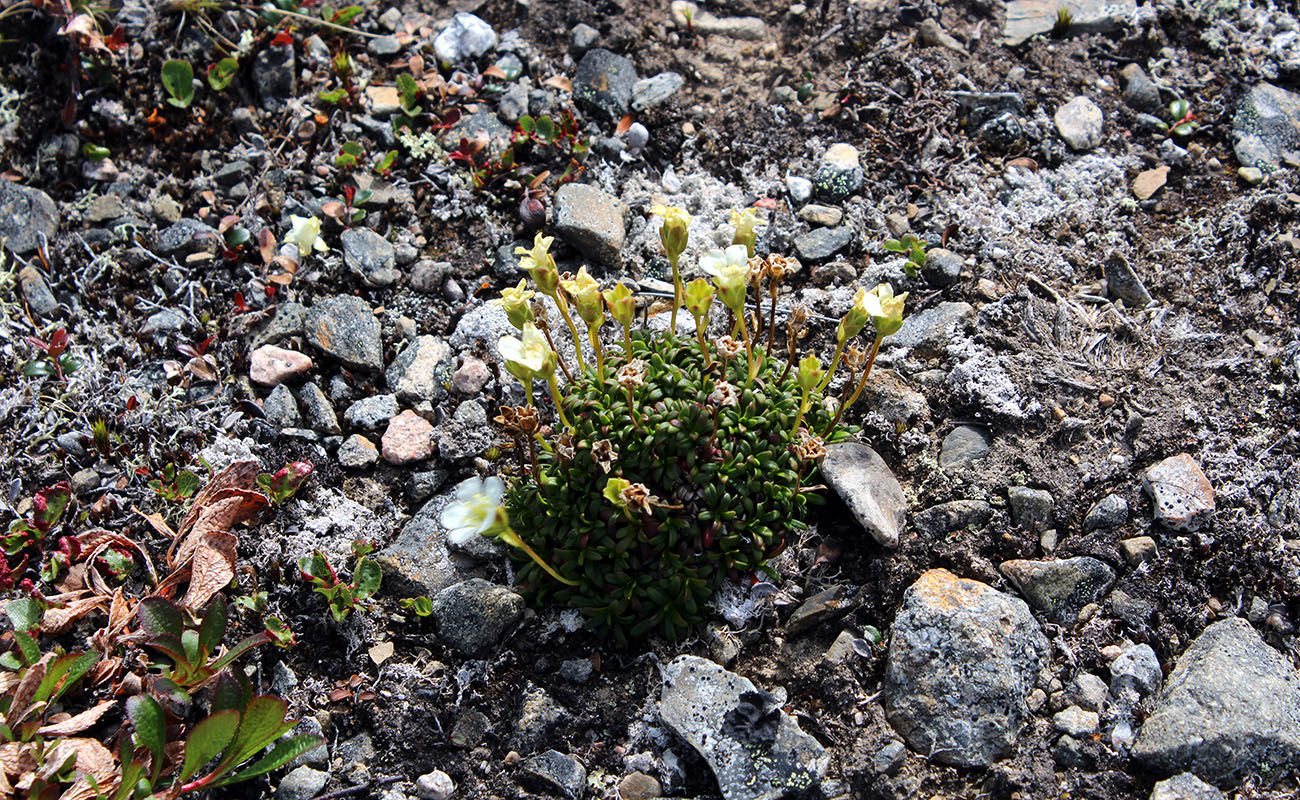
x=559 y=401
x=804 y=405
x=677 y=295
x=627 y=342
x=594 y=337
x=573 y=329
x=704 y=348
x=749 y=348
x=513 y=538
x=546 y=331
x=771 y=319
x=532 y=453
x=631 y=408
x=830 y=373
x=862 y=384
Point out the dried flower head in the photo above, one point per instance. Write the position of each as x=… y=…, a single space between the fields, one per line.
x=631 y=374
x=723 y=395
x=728 y=347
x=602 y=452
x=518 y=420
x=564 y=446
x=636 y=497
x=780 y=266
x=808 y=447
x=855 y=357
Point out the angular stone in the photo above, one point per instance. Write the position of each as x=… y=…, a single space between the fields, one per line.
x=466 y=434
x=275 y=73
x=820 y=244
x=1139 y=92
x=539 y=714
x=964 y=445
x=592 y=221
x=1266 y=127
x=649 y=92
x=942 y=267
x=345 y=328
x=953 y=516
x=602 y=84
x=465 y=38
x=473 y=616
x=188 y=236
x=928 y=333
x=358 y=452
x=371 y=413
x=281 y=408
x=1138 y=550
x=1076 y=722
x=559 y=772
x=963 y=658
x=1080 y=123
x=865 y=483
x=318 y=410
x=270 y=365
x=419 y=559
x=1110 y=511
x=1150 y=181
x=105 y=208
x=1230 y=709
x=817 y=214
x=421 y=371
x=1060 y=589
x=370 y=257
x=409 y=439
x=756 y=750
x=1122 y=282
x=1031 y=509
x=28 y=217
x=1135 y=674
x=1183 y=497
x=1027 y=18
x=1185 y=786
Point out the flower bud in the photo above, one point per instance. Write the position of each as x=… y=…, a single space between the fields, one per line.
x=586 y=296
x=856 y=318
x=729 y=269
x=515 y=303
x=540 y=264
x=744 y=220
x=622 y=305
x=673 y=233
x=810 y=373
x=698 y=297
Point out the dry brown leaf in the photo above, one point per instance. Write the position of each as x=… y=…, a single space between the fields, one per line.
x=624 y=124
x=26 y=689
x=156 y=522
x=93 y=760
x=78 y=723
x=240 y=475
x=212 y=569
x=57 y=621
x=559 y=82
x=16 y=758
x=494 y=72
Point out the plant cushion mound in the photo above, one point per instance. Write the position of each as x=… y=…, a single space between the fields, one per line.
x=722 y=503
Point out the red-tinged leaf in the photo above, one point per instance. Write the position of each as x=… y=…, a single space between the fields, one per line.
x=494 y=72
x=559 y=82
x=282 y=38
x=117 y=39
x=624 y=124
x=132 y=403
x=768 y=203
x=58 y=342
x=339 y=694
x=266 y=247
x=207 y=739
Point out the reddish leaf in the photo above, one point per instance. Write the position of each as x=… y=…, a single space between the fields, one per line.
x=282 y=38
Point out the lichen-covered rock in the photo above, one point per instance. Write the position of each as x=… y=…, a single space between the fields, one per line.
x=756 y=750
x=963 y=658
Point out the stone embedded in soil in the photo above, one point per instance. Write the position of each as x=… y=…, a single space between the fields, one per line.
x=1110 y=511
x=370 y=257
x=384 y=45
x=821 y=244
x=1077 y=722
x=592 y=221
x=408 y=439
x=1180 y=492
x=1031 y=509
x=421 y=371
x=106 y=208
x=583 y=37
x=1122 y=281
x=1150 y=181
x=28 y=217
x=318 y=410
x=1060 y=589
x=649 y=92
x=887 y=395
x=474 y=616
x=287 y=321
x=754 y=748
x=302 y=783
x=800 y=189
x=1139 y=549
x=371 y=413
x=827 y=605
x=1230 y=709
x=954 y=515
x=1266 y=127
x=36 y=291
x=602 y=84
x=270 y=365
x=1029 y=18
x=467 y=37
x=357 y=452
x=186 y=237
x=817 y=214
x=281 y=408
x=471 y=376
x=928 y=333
x=688 y=15
x=539 y=714
x=345 y=328
x=466 y=434
x=942 y=267
x=964 y=445
x=865 y=483
x=275 y=73
x=840 y=175
x=638 y=786
x=558 y=771
x=963 y=658
x=1139 y=92
x=419 y=558
x=1184 y=786
x=1080 y=123
x=436 y=785
x=1135 y=674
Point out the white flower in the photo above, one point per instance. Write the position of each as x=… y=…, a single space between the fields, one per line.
x=305 y=233
x=474 y=512
x=728 y=266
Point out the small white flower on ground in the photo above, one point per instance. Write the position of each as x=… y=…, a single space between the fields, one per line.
x=474 y=511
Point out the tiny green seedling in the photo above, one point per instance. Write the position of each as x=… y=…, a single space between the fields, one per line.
x=342 y=596
x=178 y=81
x=420 y=606
x=173 y=486
x=285 y=484
x=1184 y=120
x=913 y=247
x=222 y=73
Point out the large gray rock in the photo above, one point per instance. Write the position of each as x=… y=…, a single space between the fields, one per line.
x=419 y=559
x=963 y=658
x=592 y=221
x=421 y=371
x=928 y=333
x=1060 y=589
x=602 y=84
x=1266 y=127
x=1027 y=18
x=475 y=615
x=27 y=216
x=865 y=483
x=819 y=244
x=345 y=328
x=467 y=37
x=370 y=257
x=1230 y=709
x=756 y=750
